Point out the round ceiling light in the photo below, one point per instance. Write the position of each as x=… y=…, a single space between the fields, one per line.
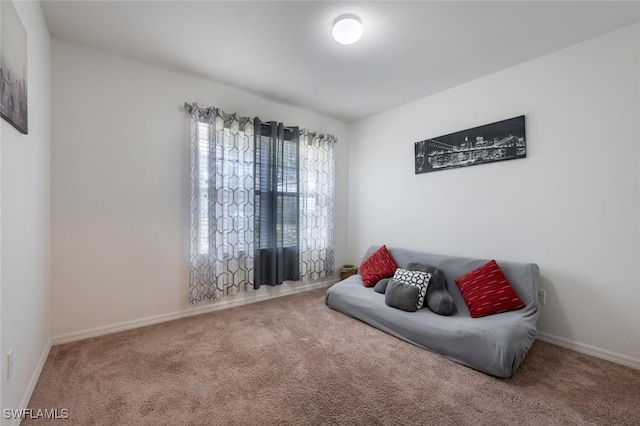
x=347 y=29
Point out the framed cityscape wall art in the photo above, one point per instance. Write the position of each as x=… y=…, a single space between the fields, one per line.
x=13 y=68
x=502 y=140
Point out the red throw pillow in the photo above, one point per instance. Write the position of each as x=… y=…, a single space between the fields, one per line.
x=487 y=291
x=377 y=266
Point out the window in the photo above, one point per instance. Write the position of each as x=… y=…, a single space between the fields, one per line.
x=225 y=175
x=261 y=206
x=203 y=180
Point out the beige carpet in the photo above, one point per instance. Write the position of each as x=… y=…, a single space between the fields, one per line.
x=294 y=361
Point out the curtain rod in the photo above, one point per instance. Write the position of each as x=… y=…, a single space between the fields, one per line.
x=189 y=108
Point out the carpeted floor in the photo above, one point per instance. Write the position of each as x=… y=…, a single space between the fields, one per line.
x=294 y=361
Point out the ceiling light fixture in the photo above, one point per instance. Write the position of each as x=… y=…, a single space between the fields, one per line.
x=347 y=28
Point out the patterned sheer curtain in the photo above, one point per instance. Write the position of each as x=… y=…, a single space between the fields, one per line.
x=317 y=205
x=222 y=204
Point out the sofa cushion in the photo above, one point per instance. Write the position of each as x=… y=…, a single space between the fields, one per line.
x=487 y=291
x=417 y=279
x=402 y=296
x=381 y=286
x=438 y=298
x=377 y=266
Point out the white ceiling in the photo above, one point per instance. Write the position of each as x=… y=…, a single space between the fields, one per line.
x=284 y=50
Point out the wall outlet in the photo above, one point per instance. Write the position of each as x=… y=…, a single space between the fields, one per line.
x=9 y=363
x=542 y=297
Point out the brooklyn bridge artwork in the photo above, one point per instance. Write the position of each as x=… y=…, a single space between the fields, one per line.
x=13 y=68
x=503 y=140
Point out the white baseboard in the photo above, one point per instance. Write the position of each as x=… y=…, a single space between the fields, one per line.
x=590 y=350
x=34 y=380
x=231 y=302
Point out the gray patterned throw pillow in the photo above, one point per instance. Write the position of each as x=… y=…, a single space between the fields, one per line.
x=415 y=278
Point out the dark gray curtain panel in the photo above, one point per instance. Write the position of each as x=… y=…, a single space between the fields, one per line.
x=276 y=203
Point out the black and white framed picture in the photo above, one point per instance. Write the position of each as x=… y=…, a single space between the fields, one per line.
x=503 y=140
x=13 y=68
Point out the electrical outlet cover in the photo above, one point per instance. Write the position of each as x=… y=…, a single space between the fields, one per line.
x=9 y=363
x=542 y=297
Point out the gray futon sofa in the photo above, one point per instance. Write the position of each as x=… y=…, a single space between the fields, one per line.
x=494 y=344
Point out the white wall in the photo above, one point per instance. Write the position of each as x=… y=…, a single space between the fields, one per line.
x=572 y=206
x=120 y=187
x=25 y=223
